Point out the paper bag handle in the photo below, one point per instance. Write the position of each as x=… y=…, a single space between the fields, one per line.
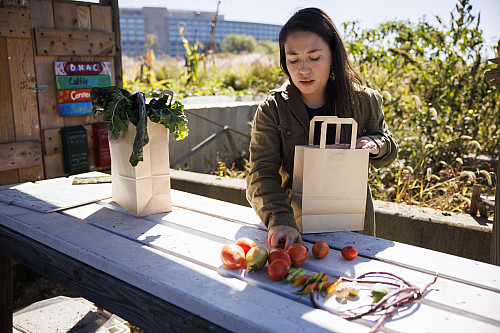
x=312 y=126
x=332 y=120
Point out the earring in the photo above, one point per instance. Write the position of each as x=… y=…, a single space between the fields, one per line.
x=332 y=74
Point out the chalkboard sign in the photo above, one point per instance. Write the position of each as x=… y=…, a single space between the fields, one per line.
x=102 y=157
x=75 y=149
x=74 y=81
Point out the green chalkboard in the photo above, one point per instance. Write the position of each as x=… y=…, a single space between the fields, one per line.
x=75 y=149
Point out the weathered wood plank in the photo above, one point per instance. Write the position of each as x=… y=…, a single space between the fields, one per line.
x=183 y=230
x=14 y=23
x=227 y=302
x=83 y=17
x=52 y=140
x=101 y=18
x=115 y=19
x=21 y=154
x=399 y=253
x=65 y=16
x=19 y=4
x=139 y=307
x=24 y=103
x=7 y=133
x=52 y=42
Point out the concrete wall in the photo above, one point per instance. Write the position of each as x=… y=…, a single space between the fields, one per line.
x=220 y=111
x=457 y=234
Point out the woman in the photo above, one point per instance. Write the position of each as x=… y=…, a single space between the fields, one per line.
x=321 y=82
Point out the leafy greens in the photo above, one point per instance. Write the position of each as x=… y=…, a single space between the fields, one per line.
x=118 y=106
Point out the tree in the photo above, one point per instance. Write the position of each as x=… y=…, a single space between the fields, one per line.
x=234 y=43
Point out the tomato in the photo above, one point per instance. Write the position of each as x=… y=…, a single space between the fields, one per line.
x=320 y=249
x=298 y=254
x=233 y=256
x=275 y=254
x=278 y=269
x=246 y=243
x=349 y=252
x=256 y=258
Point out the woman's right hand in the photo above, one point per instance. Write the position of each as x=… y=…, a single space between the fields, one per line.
x=283 y=232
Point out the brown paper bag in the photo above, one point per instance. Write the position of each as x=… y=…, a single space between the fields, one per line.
x=329 y=182
x=144 y=189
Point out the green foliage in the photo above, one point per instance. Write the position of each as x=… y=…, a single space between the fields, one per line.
x=234 y=43
x=268 y=47
x=438 y=103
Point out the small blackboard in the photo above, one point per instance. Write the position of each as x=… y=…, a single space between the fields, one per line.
x=75 y=149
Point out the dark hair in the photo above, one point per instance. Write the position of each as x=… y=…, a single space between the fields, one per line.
x=340 y=94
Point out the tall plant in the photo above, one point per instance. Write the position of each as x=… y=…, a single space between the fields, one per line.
x=437 y=102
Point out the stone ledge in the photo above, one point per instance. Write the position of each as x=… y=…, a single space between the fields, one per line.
x=458 y=234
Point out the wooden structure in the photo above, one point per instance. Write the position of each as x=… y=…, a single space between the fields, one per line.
x=34 y=34
x=494 y=76
x=171 y=277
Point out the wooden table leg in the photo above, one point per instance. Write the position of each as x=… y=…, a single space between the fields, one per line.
x=5 y=293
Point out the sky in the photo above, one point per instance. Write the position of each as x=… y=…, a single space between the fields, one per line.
x=368 y=13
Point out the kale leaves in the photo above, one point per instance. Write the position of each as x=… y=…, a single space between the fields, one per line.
x=118 y=106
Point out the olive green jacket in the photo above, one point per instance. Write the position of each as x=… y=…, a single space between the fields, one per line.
x=281 y=122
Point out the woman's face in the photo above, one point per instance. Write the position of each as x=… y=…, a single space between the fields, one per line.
x=308 y=60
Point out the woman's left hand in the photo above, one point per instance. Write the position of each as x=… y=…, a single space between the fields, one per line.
x=366 y=142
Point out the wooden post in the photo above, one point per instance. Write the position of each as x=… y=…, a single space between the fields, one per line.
x=5 y=293
x=115 y=14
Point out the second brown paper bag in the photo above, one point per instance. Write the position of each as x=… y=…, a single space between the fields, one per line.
x=329 y=181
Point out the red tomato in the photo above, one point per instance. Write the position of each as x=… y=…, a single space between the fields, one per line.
x=349 y=252
x=298 y=254
x=320 y=249
x=256 y=258
x=275 y=254
x=278 y=269
x=233 y=256
x=246 y=243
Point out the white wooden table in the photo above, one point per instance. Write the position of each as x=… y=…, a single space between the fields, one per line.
x=163 y=272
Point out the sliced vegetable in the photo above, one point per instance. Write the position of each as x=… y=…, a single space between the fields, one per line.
x=330 y=290
x=378 y=292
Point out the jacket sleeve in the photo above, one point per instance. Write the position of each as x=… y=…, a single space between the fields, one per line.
x=379 y=133
x=264 y=191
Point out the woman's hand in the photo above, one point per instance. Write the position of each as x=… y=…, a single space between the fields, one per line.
x=283 y=232
x=366 y=142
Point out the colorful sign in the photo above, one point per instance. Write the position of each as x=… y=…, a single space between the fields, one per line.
x=82 y=81
x=73 y=95
x=74 y=81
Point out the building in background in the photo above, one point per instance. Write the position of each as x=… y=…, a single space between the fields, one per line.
x=161 y=25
